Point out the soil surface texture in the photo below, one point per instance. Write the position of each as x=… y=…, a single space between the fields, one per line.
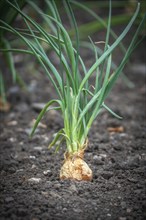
x=30 y=188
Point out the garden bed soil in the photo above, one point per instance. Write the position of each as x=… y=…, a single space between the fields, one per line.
x=30 y=188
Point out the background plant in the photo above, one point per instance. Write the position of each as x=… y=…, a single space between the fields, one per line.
x=9 y=15
x=79 y=101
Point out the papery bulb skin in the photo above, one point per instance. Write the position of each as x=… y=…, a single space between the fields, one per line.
x=75 y=168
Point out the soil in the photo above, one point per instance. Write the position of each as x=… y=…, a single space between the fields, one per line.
x=30 y=188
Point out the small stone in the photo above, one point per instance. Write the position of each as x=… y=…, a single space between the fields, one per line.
x=40 y=124
x=107 y=175
x=3 y=172
x=122 y=135
x=44 y=193
x=33 y=166
x=11 y=170
x=45 y=139
x=123 y=205
x=32 y=157
x=14 y=90
x=122 y=218
x=20 y=170
x=128 y=210
x=77 y=210
x=138 y=191
x=57 y=185
x=9 y=199
x=34 y=180
x=118 y=147
x=32 y=86
x=29 y=130
x=12 y=123
x=133 y=161
x=38 y=106
x=73 y=188
x=132 y=180
x=47 y=173
x=103 y=156
x=109 y=215
x=140 y=68
x=22 y=107
x=37 y=210
x=38 y=148
x=11 y=139
x=97 y=160
x=64 y=209
x=54 y=194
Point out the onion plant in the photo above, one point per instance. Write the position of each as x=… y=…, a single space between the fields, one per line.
x=8 y=14
x=78 y=101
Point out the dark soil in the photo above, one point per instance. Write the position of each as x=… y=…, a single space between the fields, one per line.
x=30 y=188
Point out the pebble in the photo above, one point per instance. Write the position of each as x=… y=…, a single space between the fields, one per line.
x=12 y=123
x=123 y=205
x=44 y=193
x=11 y=170
x=107 y=175
x=132 y=180
x=57 y=185
x=33 y=166
x=128 y=210
x=14 y=90
x=23 y=107
x=28 y=130
x=122 y=218
x=38 y=106
x=98 y=160
x=45 y=139
x=140 y=68
x=47 y=173
x=109 y=215
x=40 y=124
x=11 y=139
x=123 y=135
x=133 y=161
x=38 y=148
x=73 y=188
x=138 y=191
x=20 y=170
x=37 y=210
x=54 y=194
x=9 y=199
x=32 y=86
x=32 y=157
x=3 y=172
x=34 y=180
x=118 y=148
x=103 y=156
x=77 y=210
